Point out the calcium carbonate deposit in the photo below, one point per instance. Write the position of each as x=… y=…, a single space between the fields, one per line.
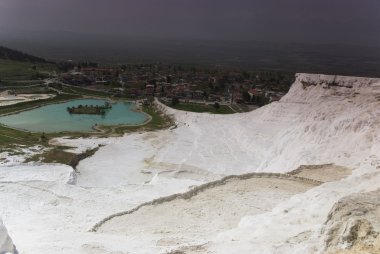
x=216 y=183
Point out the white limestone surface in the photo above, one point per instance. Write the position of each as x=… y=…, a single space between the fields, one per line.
x=6 y=244
x=323 y=119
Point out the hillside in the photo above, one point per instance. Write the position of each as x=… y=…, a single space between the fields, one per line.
x=20 y=69
x=174 y=191
x=15 y=55
x=257 y=55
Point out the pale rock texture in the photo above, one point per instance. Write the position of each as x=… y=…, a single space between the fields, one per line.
x=354 y=222
x=6 y=244
x=323 y=119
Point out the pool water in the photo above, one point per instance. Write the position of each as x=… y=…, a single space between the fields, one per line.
x=56 y=118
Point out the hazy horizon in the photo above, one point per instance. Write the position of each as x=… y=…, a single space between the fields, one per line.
x=338 y=36
x=305 y=21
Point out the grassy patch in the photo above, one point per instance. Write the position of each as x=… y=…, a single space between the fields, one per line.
x=84 y=91
x=13 y=70
x=244 y=108
x=55 y=155
x=202 y=108
x=36 y=89
x=10 y=136
x=19 y=84
x=31 y=104
x=159 y=121
x=58 y=155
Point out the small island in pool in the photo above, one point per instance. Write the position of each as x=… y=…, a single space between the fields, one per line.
x=90 y=109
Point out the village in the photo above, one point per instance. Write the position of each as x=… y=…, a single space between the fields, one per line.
x=244 y=90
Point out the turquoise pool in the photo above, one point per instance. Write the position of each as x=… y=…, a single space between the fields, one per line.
x=55 y=118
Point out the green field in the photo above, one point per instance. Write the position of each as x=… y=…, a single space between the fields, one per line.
x=202 y=108
x=11 y=71
x=84 y=91
x=10 y=136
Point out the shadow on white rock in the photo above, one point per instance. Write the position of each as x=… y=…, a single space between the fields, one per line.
x=6 y=244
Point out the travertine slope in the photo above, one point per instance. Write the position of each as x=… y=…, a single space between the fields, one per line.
x=322 y=120
x=6 y=244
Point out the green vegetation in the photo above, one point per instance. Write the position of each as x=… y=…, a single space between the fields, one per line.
x=15 y=55
x=55 y=155
x=35 y=89
x=89 y=109
x=175 y=101
x=83 y=91
x=202 y=108
x=10 y=136
x=240 y=108
x=59 y=155
x=37 y=103
x=158 y=121
x=11 y=70
x=16 y=67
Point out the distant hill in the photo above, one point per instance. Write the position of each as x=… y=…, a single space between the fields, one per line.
x=11 y=54
x=343 y=59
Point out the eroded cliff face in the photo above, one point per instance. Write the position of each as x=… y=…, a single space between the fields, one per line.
x=309 y=88
x=353 y=224
x=6 y=244
x=330 y=119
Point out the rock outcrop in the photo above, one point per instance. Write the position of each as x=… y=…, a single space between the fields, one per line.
x=353 y=225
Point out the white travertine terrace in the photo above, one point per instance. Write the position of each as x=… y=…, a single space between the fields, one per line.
x=323 y=119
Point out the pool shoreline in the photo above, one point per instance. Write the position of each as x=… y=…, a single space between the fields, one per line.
x=95 y=129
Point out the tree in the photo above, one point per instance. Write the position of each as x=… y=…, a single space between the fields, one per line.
x=175 y=101
x=246 y=96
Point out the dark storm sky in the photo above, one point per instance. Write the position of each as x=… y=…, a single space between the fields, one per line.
x=319 y=21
